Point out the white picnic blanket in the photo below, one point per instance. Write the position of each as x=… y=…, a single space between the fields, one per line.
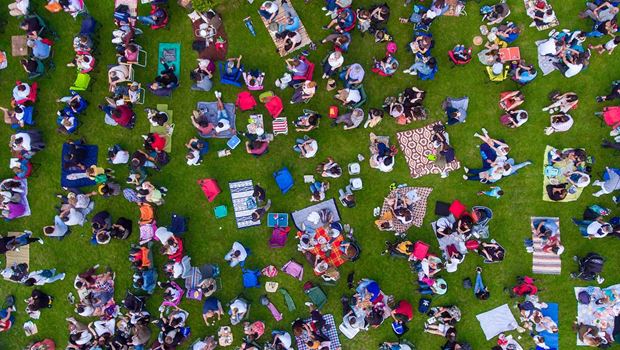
x=496 y=321
x=594 y=314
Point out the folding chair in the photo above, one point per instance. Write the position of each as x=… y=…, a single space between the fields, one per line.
x=81 y=83
x=141 y=53
x=40 y=71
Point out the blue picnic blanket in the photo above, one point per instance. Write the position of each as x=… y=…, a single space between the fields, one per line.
x=77 y=181
x=551 y=339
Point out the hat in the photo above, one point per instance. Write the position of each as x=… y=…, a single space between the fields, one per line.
x=498 y=68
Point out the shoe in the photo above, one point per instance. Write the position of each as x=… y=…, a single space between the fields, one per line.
x=615 y=132
x=414 y=72
x=407 y=71
x=465 y=177
x=308 y=304
x=324 y=8
x=484 y=131
x=217 y=94
x=599 y=99
x=444 y=175
x=478 y=269
x=70 y=64
x=41 y=242
x=476 y=135
x=533 y=24
x=466 y=169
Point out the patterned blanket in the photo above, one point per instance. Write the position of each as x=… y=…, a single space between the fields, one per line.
x=329 y=330
x=243 y=201
x=419 y=207
x=542 y=262
x=284 y=13
x=417 y=146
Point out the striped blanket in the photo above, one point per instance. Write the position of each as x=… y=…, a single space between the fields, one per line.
x=243 y=202
x=542 y=262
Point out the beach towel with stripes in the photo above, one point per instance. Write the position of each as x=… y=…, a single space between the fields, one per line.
x=545 y=263
x=244 y=203
x=286 y=11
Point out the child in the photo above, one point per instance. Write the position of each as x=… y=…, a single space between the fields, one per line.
x=495 y=192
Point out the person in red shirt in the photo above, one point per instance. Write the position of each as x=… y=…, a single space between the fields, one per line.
x=124 y=116
x=155 y=142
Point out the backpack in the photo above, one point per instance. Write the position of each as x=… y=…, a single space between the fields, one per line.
x=424 y=305
x=467 y=283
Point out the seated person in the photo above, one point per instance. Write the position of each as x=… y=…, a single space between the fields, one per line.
x=524 y=73
x=291 y=39
x=491 y=252
x=318 y=190
x=508 y=32
x=269 y=11
x=308 y=121
x=604 y=12
x=237 y=311
x=41 y=48
x=510 y=100
x=121 y=115
x=542 y=15
x=387 y=66
x=211 y=308
x=156 y=118
x=17 y=8
x=304 y=92
x=236 y=255
x=14 y=116
x=157 y=17
x=306 y=147
x=232 y=68
x=30 y=65
x=129 y=54
x=329 y=168
x=166 y=79
x=84 y=62
x=351 y=120
x=353 y=75
x=67 y=122
x=461 y=53
x=257 y=147
x=254 y=79
x=514 y=119
x=117 y=74
x=349 y=96
x=557 y=192
x=497 y=14
x=31 y=26
x=196 y=149
x=344 y=21
x=559 y=123
x=332 y=63
x=297 y=67
x=82 y=43
x=202 y=124
x=423 y=66
x=421 y=45
x=155 y=142
x=341 y=41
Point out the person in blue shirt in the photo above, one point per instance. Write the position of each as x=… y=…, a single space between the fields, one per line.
x=211 y=308
x=40 y=49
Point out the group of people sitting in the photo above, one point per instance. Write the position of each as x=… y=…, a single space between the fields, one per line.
x=565 y=51
x=406 y=107
x=533 y=319
x=571 y=170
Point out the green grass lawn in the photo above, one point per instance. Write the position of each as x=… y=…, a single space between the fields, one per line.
x=209 y=239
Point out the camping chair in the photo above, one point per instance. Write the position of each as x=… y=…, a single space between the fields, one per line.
x=133 y=302
x=250 y=278
x=164 y=22
x=210 y=188
x=141 y=95
x=141 y=54
x=290 y=303
x=81 y=83
x=212 y=271
x=284 y=180
x=39 y=71
x=279 y=236
x=230 y=79
x=363 y=97
x=497 y=77
x=274 y=105
x=316 y=296
x=456 y=61
x=309 y=71
x=32 y=97
x=245 y=101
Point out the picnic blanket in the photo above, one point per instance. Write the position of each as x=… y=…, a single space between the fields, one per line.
x=496 y=321
x=417 y=146
x=455 y=8
x=211 y=51
x=545 y=62
x=329 y=330
x=132 y=4
x=542 y=262
x=209 y=109
x=244 y=203
x=454 y=239
x=551 y=339
x=171 y=54
x=594 y=314
x=530 y=8
x=282 y=18
x=164 y=131
x=562 y=167
x=75 y=177
x=22 y=256
x=419 y=207
x=300 y=217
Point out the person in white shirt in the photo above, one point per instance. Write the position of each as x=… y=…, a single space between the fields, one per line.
x=236 y=255
x=19 y=8
x=21 y=91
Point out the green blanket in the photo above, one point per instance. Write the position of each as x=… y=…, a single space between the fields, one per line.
x=562 y=167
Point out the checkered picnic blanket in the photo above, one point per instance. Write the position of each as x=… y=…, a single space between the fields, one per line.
x=329 y=330
x=336 y=256
x=243 y=203
x=419 y=208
